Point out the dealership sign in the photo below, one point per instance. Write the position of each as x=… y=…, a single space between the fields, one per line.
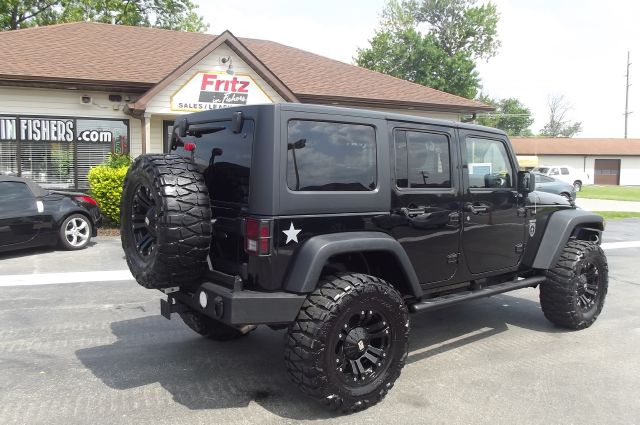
x=216 y=90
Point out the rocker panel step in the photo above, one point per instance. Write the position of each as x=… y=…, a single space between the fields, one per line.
x=451 y=299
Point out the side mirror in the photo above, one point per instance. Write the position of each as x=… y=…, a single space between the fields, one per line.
x=526 y=182
x=237 y=121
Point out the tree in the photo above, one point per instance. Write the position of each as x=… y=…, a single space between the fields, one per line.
x=460 y=26
x=168 y=14
x=558 y=125
x=15 y=14
x=510 y=115
x=432 y=58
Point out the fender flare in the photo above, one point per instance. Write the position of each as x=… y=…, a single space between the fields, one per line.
x=559 y=228
x=311 y=258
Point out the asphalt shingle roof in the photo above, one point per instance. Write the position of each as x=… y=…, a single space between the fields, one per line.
x=103 y=53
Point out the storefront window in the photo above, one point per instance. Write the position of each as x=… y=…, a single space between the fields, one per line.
x=8 y=146
x=59 y=152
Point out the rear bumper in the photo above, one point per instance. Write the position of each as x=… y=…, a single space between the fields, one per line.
x=239 y=307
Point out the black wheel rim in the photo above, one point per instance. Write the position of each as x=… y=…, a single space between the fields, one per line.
x=588 y=283
x=363 y=347
x=144 y=221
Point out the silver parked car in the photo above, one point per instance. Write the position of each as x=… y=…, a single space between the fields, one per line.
x=551 y=185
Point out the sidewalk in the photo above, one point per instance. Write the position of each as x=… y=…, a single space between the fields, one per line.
x=607 y=205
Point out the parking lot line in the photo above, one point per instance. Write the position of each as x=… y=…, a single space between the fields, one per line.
x=620 y=245
x=68 y=277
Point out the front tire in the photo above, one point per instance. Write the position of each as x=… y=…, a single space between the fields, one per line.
x=577 y=185
x=573 y=295
x=348 y=343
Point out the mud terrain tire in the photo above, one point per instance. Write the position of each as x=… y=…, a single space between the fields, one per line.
x=165 y=218
x=348 y=343
x=573 y=294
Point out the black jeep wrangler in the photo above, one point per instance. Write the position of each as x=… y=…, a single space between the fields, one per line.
x=336 y=223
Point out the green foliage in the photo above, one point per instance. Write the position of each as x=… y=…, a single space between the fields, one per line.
x=169 y=14
x=117 y=160
x=461 y=26
x=105 y=183
x=510 y=115
x=442 y=57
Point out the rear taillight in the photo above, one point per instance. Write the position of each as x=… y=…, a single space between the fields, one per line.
x=87 y=199
x=257 y=236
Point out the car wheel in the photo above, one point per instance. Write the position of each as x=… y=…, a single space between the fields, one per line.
x=577 y=185
x=573 y=294
x=165 y=221
x=348 y=344
x=75 y=232
x=566 y=196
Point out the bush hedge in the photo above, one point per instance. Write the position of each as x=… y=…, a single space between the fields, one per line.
x=105 y=184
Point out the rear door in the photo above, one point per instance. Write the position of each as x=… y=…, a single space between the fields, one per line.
x=425 y=202
x=493 y=217
x=19 y=216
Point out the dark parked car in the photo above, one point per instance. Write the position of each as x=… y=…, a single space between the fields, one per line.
x=551 y=185
x=32 y=216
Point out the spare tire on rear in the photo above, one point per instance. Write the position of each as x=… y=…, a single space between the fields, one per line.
x=165 y=221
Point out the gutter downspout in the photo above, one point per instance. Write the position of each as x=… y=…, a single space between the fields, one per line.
x=138 y=114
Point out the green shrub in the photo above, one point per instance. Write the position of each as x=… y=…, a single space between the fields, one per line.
x=117 y=160
x=105 y=183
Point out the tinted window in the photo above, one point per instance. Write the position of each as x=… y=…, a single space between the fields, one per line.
x=422 y=160
x=564 y=171
x=488 y=164
x=542 y=170
x=12 y=191
x=554 y=172
x=326 y=156
x=227 y=157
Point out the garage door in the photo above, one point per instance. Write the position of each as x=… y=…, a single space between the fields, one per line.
x=607 y=171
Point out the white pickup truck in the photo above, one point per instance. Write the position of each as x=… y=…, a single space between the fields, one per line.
x=565 y=173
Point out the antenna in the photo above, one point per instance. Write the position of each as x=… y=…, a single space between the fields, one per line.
x=626 y=99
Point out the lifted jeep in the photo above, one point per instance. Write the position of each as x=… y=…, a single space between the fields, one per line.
x=336 y=223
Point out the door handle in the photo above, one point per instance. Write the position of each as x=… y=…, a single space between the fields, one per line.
x=476 y=209
x=412 y=212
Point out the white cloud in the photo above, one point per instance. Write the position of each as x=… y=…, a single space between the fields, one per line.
x=571 y=47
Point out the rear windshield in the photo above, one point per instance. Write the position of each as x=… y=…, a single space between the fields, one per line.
x=226 y=157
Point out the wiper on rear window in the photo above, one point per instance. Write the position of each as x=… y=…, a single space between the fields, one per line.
x=197 y=131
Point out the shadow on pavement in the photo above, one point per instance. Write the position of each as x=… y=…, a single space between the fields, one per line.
x=204 y=374
x=28 y=252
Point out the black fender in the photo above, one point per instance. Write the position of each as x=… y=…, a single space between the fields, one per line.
x=313 y=255
x=559 y=229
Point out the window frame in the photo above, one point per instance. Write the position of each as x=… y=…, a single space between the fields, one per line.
x=465 y=161
x=448 y=136
x=328 y=120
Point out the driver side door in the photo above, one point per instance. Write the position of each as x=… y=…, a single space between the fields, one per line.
x=493 y=213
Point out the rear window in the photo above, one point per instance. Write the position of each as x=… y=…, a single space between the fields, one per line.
x=227 y=158
x=330 y=156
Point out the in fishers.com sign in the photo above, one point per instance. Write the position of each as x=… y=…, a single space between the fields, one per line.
x=216 y=90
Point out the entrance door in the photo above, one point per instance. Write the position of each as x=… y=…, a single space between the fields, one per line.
x=425 y=203
x=607 y=171
x=493 y=236
x=167 y=130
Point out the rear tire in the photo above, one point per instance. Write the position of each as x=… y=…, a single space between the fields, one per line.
x=348 y=343
x=165 y=221
x=213 y=329
x=75 y=232
x=573 y=295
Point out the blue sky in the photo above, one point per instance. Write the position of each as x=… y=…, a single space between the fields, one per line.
x=572 y=47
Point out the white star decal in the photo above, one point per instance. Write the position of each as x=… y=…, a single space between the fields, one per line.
x=292 y=234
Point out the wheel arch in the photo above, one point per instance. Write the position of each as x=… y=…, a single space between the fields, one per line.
x=561 y=226
x=317 y=252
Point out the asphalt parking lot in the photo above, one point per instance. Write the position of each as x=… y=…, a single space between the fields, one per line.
x=96 y=351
